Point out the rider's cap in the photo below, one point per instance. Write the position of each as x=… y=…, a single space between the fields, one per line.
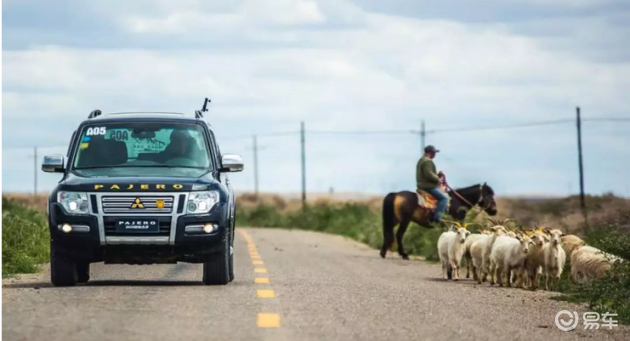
x=430 y=148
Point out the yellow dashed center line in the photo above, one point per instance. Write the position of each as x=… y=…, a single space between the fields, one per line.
x=261 y=280
x=264 y=320
x=265 y=293
x=267 y=320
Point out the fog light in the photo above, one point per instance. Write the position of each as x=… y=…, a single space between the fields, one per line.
x=66 y=228
x=208 y=228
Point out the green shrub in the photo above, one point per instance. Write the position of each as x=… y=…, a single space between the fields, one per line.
x=612 y=292
x=25 y=238
x=353 y=220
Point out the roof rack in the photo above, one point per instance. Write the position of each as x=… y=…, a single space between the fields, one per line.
x=143 y=112
x=97 y=112
x=198 y=113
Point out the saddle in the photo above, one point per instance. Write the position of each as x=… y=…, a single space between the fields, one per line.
x=428 y=201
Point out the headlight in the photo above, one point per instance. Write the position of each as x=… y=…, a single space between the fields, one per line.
x=73 y=202
x=202 y=202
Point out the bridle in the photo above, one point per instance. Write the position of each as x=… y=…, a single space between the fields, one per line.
x=477 y=204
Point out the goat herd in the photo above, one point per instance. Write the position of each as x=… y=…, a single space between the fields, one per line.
x=520 y=256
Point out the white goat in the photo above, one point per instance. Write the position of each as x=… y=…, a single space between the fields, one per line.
x=480 y=252
x=571 y=243
x=468 y=256
x=508 y=255
x=553 y=257
x=451 y=249
x=588 y=262
x=533 y=261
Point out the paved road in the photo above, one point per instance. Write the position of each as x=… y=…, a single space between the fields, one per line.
x=324 y=288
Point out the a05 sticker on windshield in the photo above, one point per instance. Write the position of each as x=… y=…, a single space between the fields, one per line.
x=96 y=131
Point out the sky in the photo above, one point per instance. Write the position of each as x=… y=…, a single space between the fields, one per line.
x=336 y=65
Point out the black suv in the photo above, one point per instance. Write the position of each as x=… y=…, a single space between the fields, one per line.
x=142 y=188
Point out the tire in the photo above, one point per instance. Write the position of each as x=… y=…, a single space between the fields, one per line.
x=83 y=272
x=217 y=270
x=232 y=251
x=63 y=271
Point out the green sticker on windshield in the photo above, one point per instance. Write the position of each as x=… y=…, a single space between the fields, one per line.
x=83 y=145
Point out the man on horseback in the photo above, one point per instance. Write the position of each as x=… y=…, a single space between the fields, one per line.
x=428 y=180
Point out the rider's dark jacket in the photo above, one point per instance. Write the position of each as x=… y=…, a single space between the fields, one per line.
x=426 y=174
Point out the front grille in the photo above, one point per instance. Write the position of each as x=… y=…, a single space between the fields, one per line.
x=110 y=226
x=137 y=204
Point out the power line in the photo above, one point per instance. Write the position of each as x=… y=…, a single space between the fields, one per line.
x=402 y=132
x=607 y=119
x=281 y=133
x=362 y=132
x=520 y=125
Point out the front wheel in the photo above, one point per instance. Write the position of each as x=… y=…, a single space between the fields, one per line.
x=217 y=270
x=83 y=272
x=63 y=271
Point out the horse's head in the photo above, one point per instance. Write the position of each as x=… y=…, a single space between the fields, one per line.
x=487 y=200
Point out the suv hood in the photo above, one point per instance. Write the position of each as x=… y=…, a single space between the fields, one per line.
x=138 y=184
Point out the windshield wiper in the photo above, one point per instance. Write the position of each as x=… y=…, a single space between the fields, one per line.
x=92 y=167
x=159 y=166
x=143 y=166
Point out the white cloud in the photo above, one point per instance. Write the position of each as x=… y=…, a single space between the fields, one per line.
x=329 y=63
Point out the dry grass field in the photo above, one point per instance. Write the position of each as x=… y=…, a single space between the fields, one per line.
x=563 y=213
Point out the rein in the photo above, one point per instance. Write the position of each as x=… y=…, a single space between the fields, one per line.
x=443 y=180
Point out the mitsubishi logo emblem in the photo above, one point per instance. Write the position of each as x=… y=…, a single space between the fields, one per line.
x=137 y=204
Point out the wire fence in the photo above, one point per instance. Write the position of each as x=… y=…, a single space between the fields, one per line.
x=530 y=158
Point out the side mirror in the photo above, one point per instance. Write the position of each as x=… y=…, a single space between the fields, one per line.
x=231 y=163
x=53 y=163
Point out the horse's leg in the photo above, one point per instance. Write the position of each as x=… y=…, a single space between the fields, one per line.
x=388 y=239
x=402 y=228
x=389 y=221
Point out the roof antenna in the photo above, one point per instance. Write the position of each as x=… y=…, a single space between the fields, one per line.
x=198 y=113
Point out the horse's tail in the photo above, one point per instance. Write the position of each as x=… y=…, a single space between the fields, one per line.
x=388 y=223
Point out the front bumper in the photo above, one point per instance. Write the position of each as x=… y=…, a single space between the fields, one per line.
x=94 y=232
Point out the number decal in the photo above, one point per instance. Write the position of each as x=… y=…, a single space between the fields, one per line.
x=119 y=135
x=96 y=131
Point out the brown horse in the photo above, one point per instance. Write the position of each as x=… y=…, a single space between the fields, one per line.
x=401 y=208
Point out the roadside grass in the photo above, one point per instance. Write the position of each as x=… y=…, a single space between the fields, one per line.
x=25 y=238
x=611 y=293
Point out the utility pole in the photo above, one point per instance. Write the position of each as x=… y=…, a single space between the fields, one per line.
x=581 y=166
x=35 y=171
x=255 y=147
x=302 y=141
x=423 y=133
x=34 y=156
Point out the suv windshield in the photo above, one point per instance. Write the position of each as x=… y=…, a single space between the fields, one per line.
x=142 y=149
